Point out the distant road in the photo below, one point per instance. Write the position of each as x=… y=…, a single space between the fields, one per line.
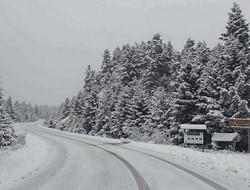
x=84 y=164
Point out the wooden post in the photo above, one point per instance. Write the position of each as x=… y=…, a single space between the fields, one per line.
x=234 y=145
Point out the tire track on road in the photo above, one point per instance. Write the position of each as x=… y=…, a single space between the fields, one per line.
x=41 y=177
x=190 y=172
x=141 y=182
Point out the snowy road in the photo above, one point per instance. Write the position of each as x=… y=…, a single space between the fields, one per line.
x=83 y=163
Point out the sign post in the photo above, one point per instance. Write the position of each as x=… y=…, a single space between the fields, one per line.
x=243 y=124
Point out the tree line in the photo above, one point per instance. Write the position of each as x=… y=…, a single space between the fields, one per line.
x=25 y=112
x=144 y=91
x=19 y=112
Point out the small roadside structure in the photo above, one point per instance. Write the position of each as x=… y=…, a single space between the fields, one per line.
x=225 y=140
x=194 y=133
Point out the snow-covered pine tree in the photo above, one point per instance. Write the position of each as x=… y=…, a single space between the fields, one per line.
x=157 y=64
x=78 y=106
x=122 y=113
x=243 y=110
x=72 y=105
x=17 y=110
x=107 y=62
x=237 y=27
x=90 y=79
x=128 y=68
x=235 y=57
x=188 y=53
x=60 y=110
x=233 y=62
x=205 y=92
x=103 y=113
x=138 y=107
x=107 y=69
x=243 y=87
x=90 y=99
x=10 y=109
x=186 y=95
x=66 y=109
x=37 y=111
x=7 y=136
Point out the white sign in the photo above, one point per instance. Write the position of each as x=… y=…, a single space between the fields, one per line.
x=191 y=137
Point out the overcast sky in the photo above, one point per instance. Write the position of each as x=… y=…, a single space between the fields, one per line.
x=46 y=45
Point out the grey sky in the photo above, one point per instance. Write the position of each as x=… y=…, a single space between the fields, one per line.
x=46 y=45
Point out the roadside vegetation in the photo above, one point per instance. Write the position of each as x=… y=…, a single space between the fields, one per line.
x=19 y=112
x=144 y=91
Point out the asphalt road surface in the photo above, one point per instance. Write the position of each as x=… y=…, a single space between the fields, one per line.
x=78 y=163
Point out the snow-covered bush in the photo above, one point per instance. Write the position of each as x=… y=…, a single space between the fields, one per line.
x=7 y=135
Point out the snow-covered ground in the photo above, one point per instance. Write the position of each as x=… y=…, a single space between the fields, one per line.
x=226 y=168
x=17 y=164
x=231 y=169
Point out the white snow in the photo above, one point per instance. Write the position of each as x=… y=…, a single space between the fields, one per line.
x=16 y=165
x=193 y=126
x=228 y=168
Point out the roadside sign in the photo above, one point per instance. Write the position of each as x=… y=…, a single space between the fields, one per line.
x=241 y=123
x=235 y=122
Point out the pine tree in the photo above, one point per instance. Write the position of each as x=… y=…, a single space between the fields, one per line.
x=138 y=107
x=60 y=110
x=10 y=109
x=7 y=135
x=90 y=94
x=243 y=110
x=89 y=111
x=90 y=79
x=128 y=69
x=188 y=53
x=237 y=27
x=185 y=97
x=78 y=106
x=122 y=113
x=106 y=101
x=17 y=110
x=107 y=65
x=36 y=110
x=105 y=76
x=66 y=109
x=233 y=62
x=158 y=106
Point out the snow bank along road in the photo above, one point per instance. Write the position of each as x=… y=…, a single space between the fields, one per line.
x=82 y=162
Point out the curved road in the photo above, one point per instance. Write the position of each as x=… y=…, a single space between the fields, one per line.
x=80 y=163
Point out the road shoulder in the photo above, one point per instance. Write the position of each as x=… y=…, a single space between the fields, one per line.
x=18 y=165
x=228 y=169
